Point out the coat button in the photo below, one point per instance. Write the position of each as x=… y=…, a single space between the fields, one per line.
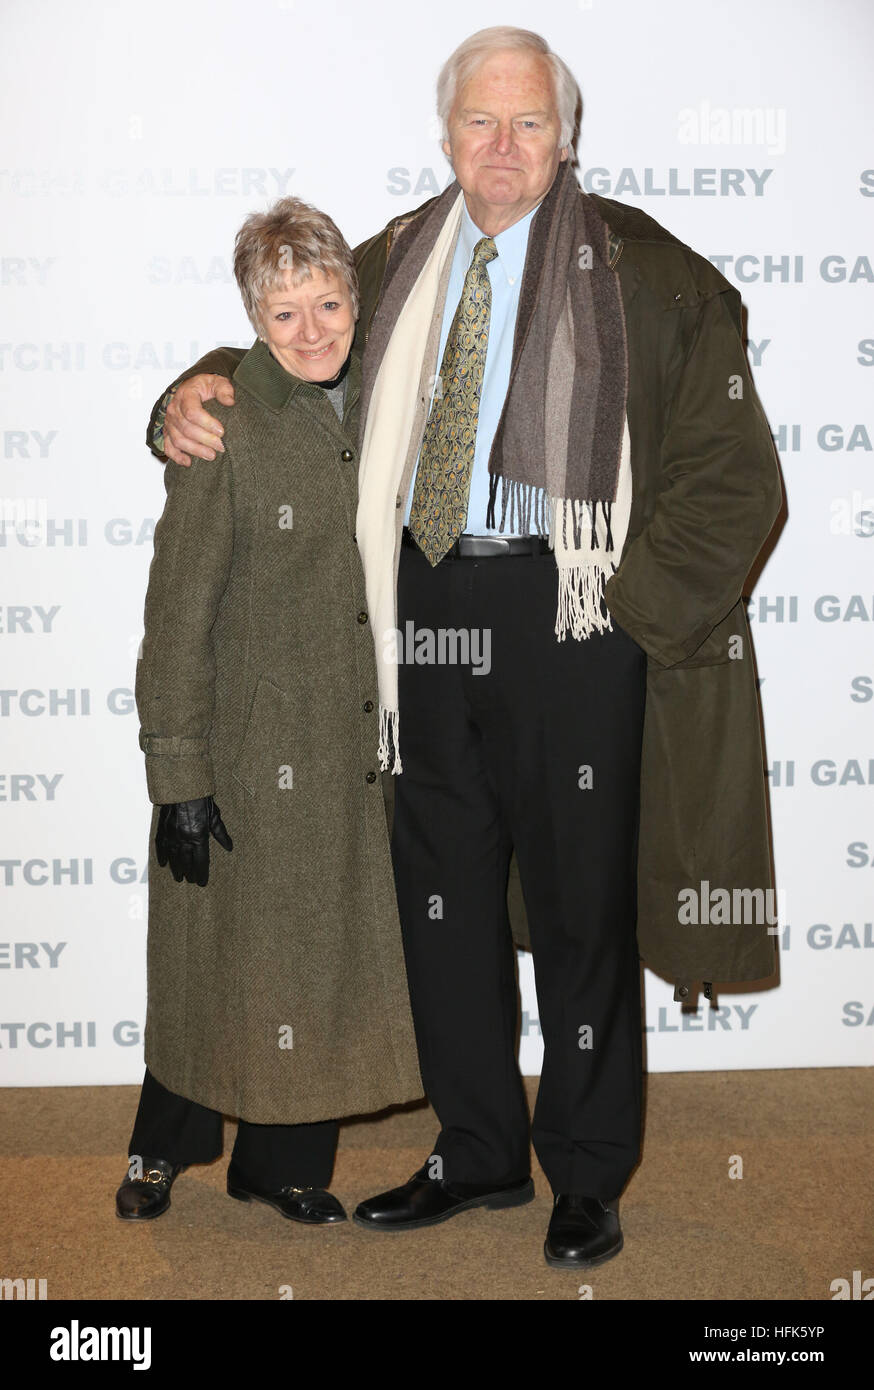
x=347 y=456
x=362 y=617
x=371 y=776
x=368 y=706
x=397 y=502
x=683 y=990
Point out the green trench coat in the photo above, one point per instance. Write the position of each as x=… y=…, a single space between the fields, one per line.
x=278 y=992
x=705 y=494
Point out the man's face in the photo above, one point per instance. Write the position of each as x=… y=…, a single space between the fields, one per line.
x=309 y=327
x=503 y=135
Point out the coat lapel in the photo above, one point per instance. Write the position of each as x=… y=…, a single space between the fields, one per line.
x=268 y=381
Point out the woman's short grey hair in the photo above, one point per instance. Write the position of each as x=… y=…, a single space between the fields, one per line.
x=463 y=63
x=293 y=236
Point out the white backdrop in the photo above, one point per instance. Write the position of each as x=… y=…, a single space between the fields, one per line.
x=135 y=140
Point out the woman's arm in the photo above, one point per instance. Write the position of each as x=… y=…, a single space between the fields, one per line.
x=175 y=681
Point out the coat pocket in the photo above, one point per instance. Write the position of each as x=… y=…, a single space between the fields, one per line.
x=729 y=641
x=260 y=756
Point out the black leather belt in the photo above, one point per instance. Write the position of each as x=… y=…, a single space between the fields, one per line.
x=488 y=547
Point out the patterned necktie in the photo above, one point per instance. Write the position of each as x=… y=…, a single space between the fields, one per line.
x=439 y=508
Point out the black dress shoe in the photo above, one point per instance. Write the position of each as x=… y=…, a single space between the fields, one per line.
x=142 y=1199
x=425 y=1201
x=583 y=1231
x=311 y=1205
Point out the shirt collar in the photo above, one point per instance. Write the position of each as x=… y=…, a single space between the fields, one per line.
x=512 y=244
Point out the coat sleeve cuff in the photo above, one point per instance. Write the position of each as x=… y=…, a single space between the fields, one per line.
x=663 y=652
x=159 y=419
x=177 y=769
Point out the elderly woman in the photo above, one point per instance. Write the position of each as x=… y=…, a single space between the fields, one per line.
x=276 y=984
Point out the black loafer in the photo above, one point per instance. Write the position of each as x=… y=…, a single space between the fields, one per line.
x=425 y=1201
x=142 y=1199
x=583 y=1231
x=311 y=1205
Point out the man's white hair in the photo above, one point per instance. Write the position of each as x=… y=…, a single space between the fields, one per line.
x=463 y=63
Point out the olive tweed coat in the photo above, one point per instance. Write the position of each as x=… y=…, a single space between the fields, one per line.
x=277 y=993
x=705 y=494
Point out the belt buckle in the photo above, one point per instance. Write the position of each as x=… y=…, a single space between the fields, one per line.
x=484 y=546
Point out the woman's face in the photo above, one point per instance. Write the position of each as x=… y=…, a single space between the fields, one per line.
x=309 y=327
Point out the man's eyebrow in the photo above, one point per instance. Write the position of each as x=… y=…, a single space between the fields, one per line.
x=476 y=111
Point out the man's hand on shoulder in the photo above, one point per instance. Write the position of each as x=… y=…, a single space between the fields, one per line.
x=189 y=430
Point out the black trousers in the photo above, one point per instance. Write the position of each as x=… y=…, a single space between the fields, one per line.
x=540 y=753
x=271 y=1156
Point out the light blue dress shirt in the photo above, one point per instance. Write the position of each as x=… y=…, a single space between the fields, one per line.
x=505 y=278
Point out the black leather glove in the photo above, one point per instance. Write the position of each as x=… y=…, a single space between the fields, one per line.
x=182 y=838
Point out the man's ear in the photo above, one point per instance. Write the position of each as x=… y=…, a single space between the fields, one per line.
x=564 y=154
x=447 y=150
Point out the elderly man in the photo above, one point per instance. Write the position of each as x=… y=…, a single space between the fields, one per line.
x=563 y=464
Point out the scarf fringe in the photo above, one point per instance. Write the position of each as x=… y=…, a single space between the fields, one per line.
x=581 y=606
x=525 y=502
x=521 y=500
x=388 y=747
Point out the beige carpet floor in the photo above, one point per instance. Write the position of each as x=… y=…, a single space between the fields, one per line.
x=801 y=1216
